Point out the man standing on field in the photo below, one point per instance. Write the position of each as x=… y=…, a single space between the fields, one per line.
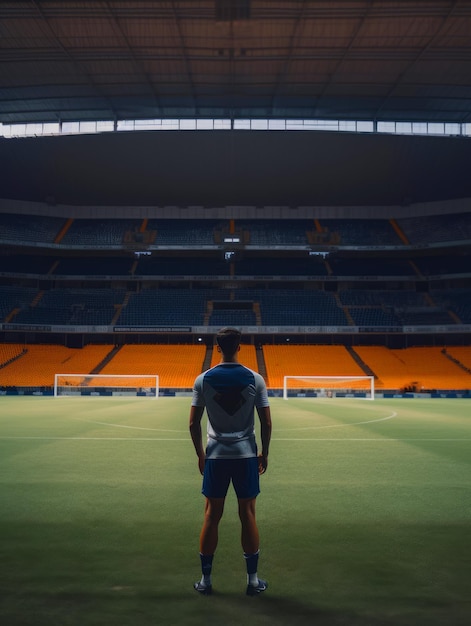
x=230 y=392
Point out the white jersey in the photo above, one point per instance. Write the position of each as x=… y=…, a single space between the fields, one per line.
x=230 y=392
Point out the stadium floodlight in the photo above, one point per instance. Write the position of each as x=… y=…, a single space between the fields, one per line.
x=329 y=387
x=109 y=385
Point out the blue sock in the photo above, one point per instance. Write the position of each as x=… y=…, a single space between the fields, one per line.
x=251 y=561
x=206 y=568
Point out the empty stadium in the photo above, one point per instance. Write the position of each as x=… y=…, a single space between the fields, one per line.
x=298 y=170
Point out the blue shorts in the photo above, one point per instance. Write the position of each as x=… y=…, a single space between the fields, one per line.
x=218 y=474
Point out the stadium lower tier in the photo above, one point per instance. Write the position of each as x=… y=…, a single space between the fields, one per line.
x=409 y=369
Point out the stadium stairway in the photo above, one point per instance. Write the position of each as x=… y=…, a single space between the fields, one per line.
x=364 y=366
x=346 y=312
x=10 y=353
x=11 y=315
x=208 y=358
x=416 y=269
x=430 y=302
x=208 y=312
x=119 y=307
x=60 y=235
x=37 y=298
x=456 y=361
x=262 y=368
x=399 y=232
x=258 y=314
x=109 y=357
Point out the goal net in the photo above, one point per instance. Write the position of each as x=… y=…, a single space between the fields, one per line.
x=329 y=387
x=106 y=385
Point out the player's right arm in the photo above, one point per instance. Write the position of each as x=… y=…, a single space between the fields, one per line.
x=265 y=436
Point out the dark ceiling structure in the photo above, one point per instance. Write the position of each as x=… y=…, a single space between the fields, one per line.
x=64 y=60
x=231 y=168
x=70 y=60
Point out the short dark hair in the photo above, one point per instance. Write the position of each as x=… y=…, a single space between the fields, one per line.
x=228 y=339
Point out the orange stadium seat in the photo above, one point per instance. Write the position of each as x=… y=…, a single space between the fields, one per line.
x=9 y=351
x=176 y=365
x=247 y=356
x=296 y=360
x=426 y=368
x=461 y=354
x=40 y=363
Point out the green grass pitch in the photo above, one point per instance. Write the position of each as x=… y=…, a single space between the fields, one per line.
x=364 y=516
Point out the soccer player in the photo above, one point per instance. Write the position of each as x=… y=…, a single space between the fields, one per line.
x=230 y=392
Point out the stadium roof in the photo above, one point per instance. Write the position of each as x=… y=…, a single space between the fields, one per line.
x=139 y=59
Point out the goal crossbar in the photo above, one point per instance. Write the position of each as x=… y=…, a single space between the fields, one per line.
x=329 y=386
x=143 y=385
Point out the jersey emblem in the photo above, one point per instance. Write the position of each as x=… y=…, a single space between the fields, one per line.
x=231 y=400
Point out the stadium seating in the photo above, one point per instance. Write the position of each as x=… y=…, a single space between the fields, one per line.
x=415 y=368
x=99 y=232
x=177 y=366
x=298 y=307
x=14 y=298
x=362 y=232
x=190 y=307
x=229 y=317
x=462 y=354
x=274 y=232
x=177 y=233
x=73 y=306
x=456 y=300
x=166 y=307
x=10 y=352
x=372 y=316
x=38 y=365
x=381 y=297
x=66 y=285
x=436 y=228
x=302 y=360
x=393 y=308
x=32 y=228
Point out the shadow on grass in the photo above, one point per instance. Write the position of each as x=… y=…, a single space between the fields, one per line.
x=74 y=609
x=129 y=606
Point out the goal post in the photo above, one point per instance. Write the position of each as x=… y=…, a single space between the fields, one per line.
x=329 y=387
x=109 y=385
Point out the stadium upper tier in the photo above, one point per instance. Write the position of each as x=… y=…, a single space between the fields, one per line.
x=367 y=274
x=114 y=232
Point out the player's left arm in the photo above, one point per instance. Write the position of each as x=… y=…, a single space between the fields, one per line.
x=196 y=414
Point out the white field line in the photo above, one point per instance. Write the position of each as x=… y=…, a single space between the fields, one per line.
x=187 y=439
x=380 y=419
x=160 y=430
x=163 y=430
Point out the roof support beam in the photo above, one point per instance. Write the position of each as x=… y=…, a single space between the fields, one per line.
x=419 y=56
x=77 y=65
x=141 y=71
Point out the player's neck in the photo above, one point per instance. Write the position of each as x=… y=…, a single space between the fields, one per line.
x=229 y=359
